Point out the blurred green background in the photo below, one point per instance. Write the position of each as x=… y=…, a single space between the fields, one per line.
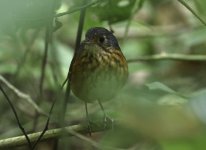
x=162 y=106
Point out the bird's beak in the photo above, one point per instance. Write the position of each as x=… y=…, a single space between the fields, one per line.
x=86 y=41
x=90 y=41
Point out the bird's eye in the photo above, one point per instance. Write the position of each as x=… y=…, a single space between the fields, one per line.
x=101 y=39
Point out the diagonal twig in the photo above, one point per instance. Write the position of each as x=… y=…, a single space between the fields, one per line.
x=192 y=11
x=22 y=95
x=17 y=118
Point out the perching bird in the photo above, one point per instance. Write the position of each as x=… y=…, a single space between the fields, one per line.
x=98 y=69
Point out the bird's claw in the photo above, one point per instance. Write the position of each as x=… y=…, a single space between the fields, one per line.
x=108 y=122
x=89 y=127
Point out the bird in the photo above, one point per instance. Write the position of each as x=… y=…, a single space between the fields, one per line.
x=98 y=70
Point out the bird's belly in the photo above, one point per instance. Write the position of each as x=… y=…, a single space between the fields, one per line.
x=96 y=85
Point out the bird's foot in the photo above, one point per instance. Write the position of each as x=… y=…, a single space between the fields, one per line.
x=89 y=127
x=108 y=122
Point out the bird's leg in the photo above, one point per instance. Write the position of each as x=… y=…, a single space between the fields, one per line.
x=106 y=118
x=88 y=120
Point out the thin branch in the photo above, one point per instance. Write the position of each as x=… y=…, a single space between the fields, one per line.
x=78 y=40
x=48 y=35
x=22 y=95
x=137 y=6
x=80 y=26
x=25 y=136
x=77 y=9
x=49 y=31
x=175 y=57
x=192 y=11
x=50 y=134
x=46 y=126
x=44 y=60
x=155 y=31
x=27 y=50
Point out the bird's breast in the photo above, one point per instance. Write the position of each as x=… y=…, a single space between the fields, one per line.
x=98 y=76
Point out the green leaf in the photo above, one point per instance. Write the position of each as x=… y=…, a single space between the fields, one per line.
x=165 y=88
x=198 y=103
x=114 y=10
x=160 y=86
x=199 y=95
